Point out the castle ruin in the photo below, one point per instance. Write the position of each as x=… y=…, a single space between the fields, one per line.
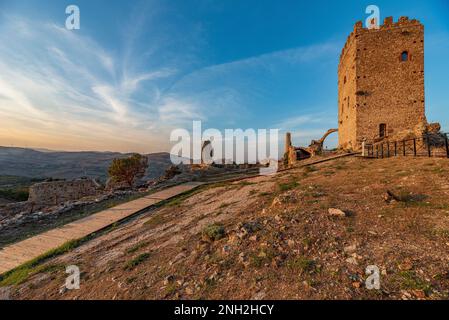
x=381 y=82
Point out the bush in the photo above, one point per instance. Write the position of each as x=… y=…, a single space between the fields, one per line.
x=131 y=264
x=171 y=172
x=128 y=169
x=17 y=195
x=214 y=232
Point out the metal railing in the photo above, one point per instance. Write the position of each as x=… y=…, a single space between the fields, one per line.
x=426 y=146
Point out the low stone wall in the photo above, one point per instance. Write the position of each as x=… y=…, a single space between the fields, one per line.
x=57 y=192
x=13 y=209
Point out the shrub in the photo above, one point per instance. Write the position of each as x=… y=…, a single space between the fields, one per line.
x=128 y=169
x=16 y=195
x=214 y=232
x=131 y=264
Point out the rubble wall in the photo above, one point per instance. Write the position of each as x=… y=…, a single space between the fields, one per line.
x=58 y=192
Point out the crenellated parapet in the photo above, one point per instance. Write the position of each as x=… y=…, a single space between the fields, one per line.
x=389 y=23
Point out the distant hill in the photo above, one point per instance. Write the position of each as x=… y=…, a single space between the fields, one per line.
x=33 y=163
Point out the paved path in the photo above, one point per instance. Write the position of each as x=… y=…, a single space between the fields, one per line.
x=18 y=253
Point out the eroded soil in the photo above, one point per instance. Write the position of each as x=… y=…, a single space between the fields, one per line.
x=279 y=241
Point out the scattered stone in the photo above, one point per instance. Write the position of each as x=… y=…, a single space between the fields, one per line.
x=63 y=289
x=337 y=212
x=420 y=294
x=276 y=202
x=350 y=249
x=169 y=279
x=247 y=228
x=178 y=258
x=227 y=249
x=406 y=265
x=352 y=260
x=259 y=296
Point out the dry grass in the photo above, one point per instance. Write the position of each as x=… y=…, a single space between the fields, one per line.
x=299 y=251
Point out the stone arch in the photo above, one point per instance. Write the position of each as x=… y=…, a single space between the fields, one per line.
x=317 y=145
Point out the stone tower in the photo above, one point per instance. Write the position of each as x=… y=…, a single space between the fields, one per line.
x=381 y=82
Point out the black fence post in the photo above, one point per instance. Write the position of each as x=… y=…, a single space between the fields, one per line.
x=403 y=147
x=377 y=151
x=388 y=149
x=414 y=146
x=382 y=151
x=447 y=146
x=428 y=146
x=395 y=148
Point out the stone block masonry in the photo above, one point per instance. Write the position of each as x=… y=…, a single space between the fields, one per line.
x=58 y=192
x=381 y=82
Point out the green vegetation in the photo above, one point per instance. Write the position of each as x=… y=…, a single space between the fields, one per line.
x=156 y=219
x=245 y=183
x=214 y=232
x=410 y=281
x=288 y=186
x=179 y=199
x=136 y=247
x=14 y=188
x=23 y=272
x=302 y=265
x=265 y=256
x=310 y=169
x=252 y=192
x=128 y=169
x=131 y=264
x=16 y=195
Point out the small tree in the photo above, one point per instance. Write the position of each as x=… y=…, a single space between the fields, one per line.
x=128 y=169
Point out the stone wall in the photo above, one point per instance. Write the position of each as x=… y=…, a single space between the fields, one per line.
x=347 y=87
x=58 y=192
x=13 y=209
x=376 y=86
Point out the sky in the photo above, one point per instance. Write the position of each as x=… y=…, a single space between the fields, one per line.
x=136 y=70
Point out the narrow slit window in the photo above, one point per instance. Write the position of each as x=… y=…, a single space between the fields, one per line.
x=382 y=130
x=404 y=56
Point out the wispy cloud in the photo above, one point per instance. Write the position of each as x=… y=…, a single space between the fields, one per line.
x=65 y=90
x=56 y=83
x=294 y=123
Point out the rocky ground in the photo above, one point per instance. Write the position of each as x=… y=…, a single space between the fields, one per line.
x=307 y=233
x=17 y=227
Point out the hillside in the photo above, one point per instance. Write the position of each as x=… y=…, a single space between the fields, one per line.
x=273 y=238
x=32 y=163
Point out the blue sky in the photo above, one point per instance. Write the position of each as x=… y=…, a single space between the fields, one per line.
x=138 y=69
